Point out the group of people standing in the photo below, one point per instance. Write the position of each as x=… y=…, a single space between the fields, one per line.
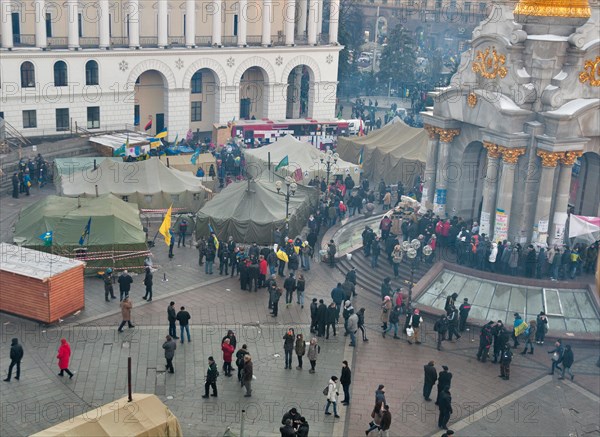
x=30 y=172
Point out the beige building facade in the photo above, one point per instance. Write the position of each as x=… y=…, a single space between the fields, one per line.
x=100 y=65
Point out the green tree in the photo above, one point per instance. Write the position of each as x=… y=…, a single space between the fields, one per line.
x=398 y=59
x=351 y=36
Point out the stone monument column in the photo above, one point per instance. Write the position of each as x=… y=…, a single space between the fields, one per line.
x=242 y=23
x=506 y=185
x=40 y=24
x=561 y=201
x=441 y=182
x=72 y=25
x=104 y=39
x=217 y=23
x=266 y=23
x=163 y=17
x=490 y=189
x=429 y=176
x=6 y=24
x=134 y=24
x=289 y=17
x=545 y=194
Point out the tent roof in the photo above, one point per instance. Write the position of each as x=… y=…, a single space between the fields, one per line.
x=67 y=166
x=299 y=153
x=67 y=217
x=151 y=176
x=261 y=204
x=398 y=139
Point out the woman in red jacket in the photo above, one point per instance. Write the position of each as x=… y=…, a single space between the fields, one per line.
x=262 y=271
x=64 y=355
x=228 y=350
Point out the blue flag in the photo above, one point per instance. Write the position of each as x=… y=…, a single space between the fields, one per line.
x=46 y=237
x=86 y=232
x=210 y=229
x=194 y=157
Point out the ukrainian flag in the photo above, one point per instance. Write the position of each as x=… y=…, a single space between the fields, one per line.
x=162 y=134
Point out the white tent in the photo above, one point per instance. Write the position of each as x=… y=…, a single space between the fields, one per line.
x=583 y=228
x=301 y=155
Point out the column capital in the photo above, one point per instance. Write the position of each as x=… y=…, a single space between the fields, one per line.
x=549 y=159
x=511 y=156
x=431 y=131
x=447 y=135
x=494 y=150
x=570 y=157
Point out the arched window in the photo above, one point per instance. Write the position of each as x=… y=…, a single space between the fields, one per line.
x=91 y=73
x=60 y=73
x=27 y=75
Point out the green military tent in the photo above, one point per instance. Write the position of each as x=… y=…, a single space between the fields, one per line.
x=70 y=167
x=115 y=239
x=250 y=211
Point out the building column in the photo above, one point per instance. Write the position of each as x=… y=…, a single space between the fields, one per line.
x=429 y=176
x=266 y=22
x=190 y=23
x=6 y=23
x=302 y=13
x=216 y=24
x=319 y=17
x=242 y=23
x=545 y=194
x=178 y=112
x=312 y=22
x=490 y=189
x=441 y=182
x=104 y=39
x=227 y=103
x=561 y=201
x=506 y=186
x=134 y=24
x=41 y=41
x=319 y=106
x=163 y=19
x=73 y=24
x=295 y=92
x=274 y=105
x=290 y=22
x=334 y=20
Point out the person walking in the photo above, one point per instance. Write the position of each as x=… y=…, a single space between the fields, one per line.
x=430 y=379
x=353 y=327
x=126 y=306
x=321 y=318
x=453 y=323
x=183 y=225
x=415 y=323
x=386 y=422
x=557 y=356
x=530 y=333
x=183 y=317
x=148 y=284
x=275 y=296
x=361 y=324
x=386 y=308
x=567 y=361
x=332 y=396
x=172 y=317
x=211 y=377
x=300 y=285
x=169 y=346
x=248 y=375
x=300 y=349
x=444 y=382
x=505 y=360
x=346 y=380
x=239 y=362
x=228 y=350
x=288 y=347
x=313 y=351
x=445 y=406
x=107 y=277
x=64 y=355
x=393 y=320
x=441 y=327
x=290 y=286
x=16 y=355
x=376 y=415
x=125 y=282
x=313 y=315
x=464 y=315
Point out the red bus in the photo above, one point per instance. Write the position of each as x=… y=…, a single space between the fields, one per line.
x=317 y=132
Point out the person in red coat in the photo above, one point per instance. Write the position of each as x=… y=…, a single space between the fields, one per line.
x=228 y=350
x=64 y=355
x=263 y=266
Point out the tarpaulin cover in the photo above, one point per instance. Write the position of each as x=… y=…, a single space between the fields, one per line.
x=250 y=212
x=396 y=152
x=584 y=228
x=301 y=155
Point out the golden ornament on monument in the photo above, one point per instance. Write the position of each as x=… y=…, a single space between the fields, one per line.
x=570 y=157
x=591 y=72
x=489 y=64
x=447 y=135
x=549 y=159
x=431 y=131
x=554 y=8
x=472 y=100
x=493 y=150
x=511 y=156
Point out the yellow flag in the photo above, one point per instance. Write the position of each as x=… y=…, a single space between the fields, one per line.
x=166 y=227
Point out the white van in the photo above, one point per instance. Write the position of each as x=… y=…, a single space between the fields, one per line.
x=354 y=126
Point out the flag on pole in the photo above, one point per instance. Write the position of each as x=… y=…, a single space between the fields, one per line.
x=120 y=151
x=86 y=232
x=46 y=237
x=162 y=134
x=361 y=131
x=154 y=142
x=148 y=125
x=215 y=239
x=165 y=227
x=284 y=162
x=176 y=139
x=298 y=175
x=194 y=157
x=361 y=157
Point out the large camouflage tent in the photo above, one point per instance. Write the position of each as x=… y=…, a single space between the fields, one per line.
x=250 y=211
x=396 y=152
x=116 y=237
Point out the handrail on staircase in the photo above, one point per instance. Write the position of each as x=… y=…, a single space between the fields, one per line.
x=12 y=137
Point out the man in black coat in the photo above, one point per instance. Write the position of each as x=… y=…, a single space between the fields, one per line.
x=485 y=340
x=211 y=378
x=321 y=318
x=453 y=323
x=445 y=406
x=125 y=282
x=148 y=284
x=15 y=185
x=430 y=379
x=441 y=327
x=313 y=316
x=346 y=380
x=16 y=355
x=331 y=319
x=500 y=337
x=464 y=314
x=444 y=382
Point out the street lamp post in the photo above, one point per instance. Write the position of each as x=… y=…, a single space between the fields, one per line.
x=290 y=190
x=329 y=159
x=411 y=250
